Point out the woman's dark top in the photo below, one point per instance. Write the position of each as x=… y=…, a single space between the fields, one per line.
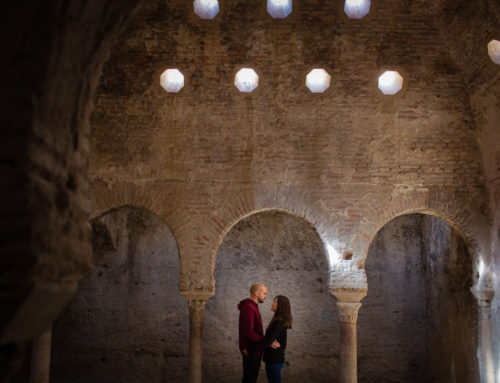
x=276 y=330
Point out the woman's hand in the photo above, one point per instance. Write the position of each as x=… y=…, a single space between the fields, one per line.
x=245 y=352
x=275 y=344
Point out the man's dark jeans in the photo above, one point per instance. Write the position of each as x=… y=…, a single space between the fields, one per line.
x=251 y=366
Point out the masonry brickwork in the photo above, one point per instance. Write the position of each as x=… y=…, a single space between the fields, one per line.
x=348 y=160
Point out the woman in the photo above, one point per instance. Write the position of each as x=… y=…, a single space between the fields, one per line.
x=276 y=330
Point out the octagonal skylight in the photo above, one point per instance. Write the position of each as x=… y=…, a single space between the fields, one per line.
x=390 y=82
x=318 y=80
x=494 y=51
x=206 y=9
x=357 y=9
x=279 y=9
x=246 y=80
x=172 y=80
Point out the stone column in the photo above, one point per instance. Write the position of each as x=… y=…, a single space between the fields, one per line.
x=486 y=343
x=196 y=315
x=348 y=341
x=40 y=359
x=348 y=303
x=484 y=298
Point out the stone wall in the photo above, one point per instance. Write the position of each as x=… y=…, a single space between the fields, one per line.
x=285 y=253
x=451 y=309
x=128 y=322
x=418 y=322
x=348 y=160
x=482 y=78
x=392 y=321
x=486 y=104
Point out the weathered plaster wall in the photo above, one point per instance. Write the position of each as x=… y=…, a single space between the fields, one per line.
x=209 y=155
x=486 y=104
x=392 y=321
x=284 y=252
x=418 y=321
x=128 y=322
x=460 y=23
x=452 y=310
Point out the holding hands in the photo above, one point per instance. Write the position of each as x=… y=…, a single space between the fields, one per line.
x=274 y=345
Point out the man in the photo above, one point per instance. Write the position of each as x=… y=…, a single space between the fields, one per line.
x=251 y=332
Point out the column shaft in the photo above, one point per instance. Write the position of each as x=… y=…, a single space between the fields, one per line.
x=486 y=343
x=196 y=314
x=40 y=359
x=195 y=352
x=348 y=342
x=348 y=353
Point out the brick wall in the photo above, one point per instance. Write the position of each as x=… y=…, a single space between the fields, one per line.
x=350 y=158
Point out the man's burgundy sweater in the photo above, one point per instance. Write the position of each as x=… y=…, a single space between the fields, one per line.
x=250 y=325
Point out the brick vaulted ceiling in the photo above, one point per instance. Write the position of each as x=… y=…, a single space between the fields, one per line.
x=466 y=28
x=349 y=142
x=439 y=45
x=406 y=30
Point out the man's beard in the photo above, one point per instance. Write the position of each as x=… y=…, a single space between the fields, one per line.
x=260 y=300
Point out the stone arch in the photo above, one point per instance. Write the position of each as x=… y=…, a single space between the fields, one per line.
x=164 y=203
x=261 y=247
x=434 y=311
x=99 y=226
x=469 y=221
x=131 y=291
x=161 y=202
x=269 y=209
x=272 y=198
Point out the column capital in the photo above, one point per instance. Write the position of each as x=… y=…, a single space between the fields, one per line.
x=197 y=301
x=348 y=312
x=197 y=310
x=484 y=296
x=349 y=295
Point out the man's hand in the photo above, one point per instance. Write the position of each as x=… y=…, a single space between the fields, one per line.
x=275 y=344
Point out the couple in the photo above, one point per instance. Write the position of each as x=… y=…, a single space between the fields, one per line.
x=251 y=336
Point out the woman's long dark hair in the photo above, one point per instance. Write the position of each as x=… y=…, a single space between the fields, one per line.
x=283 y=311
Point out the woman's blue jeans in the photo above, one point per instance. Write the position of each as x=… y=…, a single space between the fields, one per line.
x=273 y=372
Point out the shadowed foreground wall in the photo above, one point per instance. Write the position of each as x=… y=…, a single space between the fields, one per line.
x=285 y=253
x=128 y=322
x=418 y=322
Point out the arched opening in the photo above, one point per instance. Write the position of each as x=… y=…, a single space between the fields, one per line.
x=286 y=253
x=128 y=321
x=418 y=322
